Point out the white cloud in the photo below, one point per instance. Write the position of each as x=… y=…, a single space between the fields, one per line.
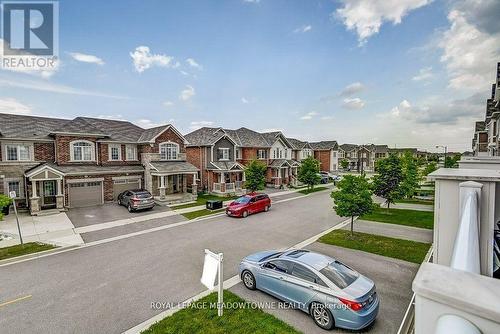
x=353 y=103
x=86 y=58
x=147 y=123
x=45 y=86
x=327 y=118
x=117 y=117
x=12 y=106
x=195 y=125
x=191 y=62
x=353 y=88
x=244 y=100
x=168 y=104
x=423 y=74
x=367 y=16
x=469 y=54
x=309 y=116
x=271 y=130
x=303 y=29
x=143 y=59
x=187 y=93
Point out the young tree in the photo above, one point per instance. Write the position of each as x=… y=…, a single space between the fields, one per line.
x=344 y=163
x=5 y=202
x=308 y=172
x=386 y=182
x=431 y=167
x=255 y=176
x=452 y=162
x=411 y=177
x=353 y=197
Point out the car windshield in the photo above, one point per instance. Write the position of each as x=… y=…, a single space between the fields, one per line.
x=242 y=200
x=340 y=274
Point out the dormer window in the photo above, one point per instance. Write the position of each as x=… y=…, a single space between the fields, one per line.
x=223 y=153
x=169 y=151
x=82 y=151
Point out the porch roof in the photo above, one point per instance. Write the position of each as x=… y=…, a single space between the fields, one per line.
x=84 y=169
x=172 y=167
x=225 y=166
x=277 y=163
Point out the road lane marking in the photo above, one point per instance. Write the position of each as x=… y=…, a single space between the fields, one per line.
x=134 y=234
x=227 y=284
x=15 y=300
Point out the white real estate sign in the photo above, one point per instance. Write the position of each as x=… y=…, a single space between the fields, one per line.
x=212 y=268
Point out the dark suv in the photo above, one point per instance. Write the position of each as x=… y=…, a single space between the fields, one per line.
x=136 y=199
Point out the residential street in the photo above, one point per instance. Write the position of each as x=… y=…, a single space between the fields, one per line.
x=109 y=287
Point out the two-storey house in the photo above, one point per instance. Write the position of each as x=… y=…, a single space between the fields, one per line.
x=326 y=152
x=349 y=152
x=57 y=163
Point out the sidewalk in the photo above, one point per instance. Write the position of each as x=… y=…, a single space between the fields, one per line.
x=54 y=229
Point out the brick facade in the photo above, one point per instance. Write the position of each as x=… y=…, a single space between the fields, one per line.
x=63 y=152
x=44 y=152
x=324 y=159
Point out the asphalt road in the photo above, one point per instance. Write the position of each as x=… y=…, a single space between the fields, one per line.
x=109 y=287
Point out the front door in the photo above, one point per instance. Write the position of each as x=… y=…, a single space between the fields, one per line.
x=175 y=183
x=49 y=194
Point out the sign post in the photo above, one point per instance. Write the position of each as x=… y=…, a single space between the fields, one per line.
x=212 y=268
x=12 y=194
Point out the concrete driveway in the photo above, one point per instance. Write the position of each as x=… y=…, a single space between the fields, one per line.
x=392 y=277
x=106 y=213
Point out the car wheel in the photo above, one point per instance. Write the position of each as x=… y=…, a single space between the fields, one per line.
x=248 y=280
x=321 y=316
x=266 y=208
x=129 y=208
x=244 y=214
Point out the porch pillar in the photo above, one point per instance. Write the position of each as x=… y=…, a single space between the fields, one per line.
x=34 y=200
x=184 y=183
x=162 y=187
x=244 y=177
x=60 y=196
x=194 y=186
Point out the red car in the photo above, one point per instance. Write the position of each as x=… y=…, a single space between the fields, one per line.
x=248 y=204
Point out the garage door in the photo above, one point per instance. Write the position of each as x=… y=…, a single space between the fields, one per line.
x=121 y=185
x=85 y=194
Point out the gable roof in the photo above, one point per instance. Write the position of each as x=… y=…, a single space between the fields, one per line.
x=324 y=145
x=298 y=144
x=122 y=131
x=242 y=137
x=272 y=137
x=348 y=147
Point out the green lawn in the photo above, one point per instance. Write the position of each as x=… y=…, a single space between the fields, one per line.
x=201 y=213
x=27 y=248
x=235 y=320
x=310 y=191
x=202 y=200
x=415 y=201
x=423 y=219
x=406 y=250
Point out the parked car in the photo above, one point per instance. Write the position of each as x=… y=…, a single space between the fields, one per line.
x=324 y=177
x=328 y=290
x=248 y=204
x=136 y=199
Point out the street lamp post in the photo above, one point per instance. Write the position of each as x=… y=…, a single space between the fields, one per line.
x=445 y=152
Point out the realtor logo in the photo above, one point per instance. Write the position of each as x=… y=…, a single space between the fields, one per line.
x=29 y=33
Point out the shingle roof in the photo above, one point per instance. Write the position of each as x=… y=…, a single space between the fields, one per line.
x=28 y=127
x=77 y=169
x=324 y=145
x=204 y=136
x=148 y=134
x=348 y=147
x=79 y=126
x=173 y=166
x=297 y=144
x=122 y=131
x=243 y=137
x=224 y=165
x=250 y=138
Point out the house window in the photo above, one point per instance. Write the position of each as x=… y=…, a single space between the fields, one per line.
x=169 y=151
x=17 y=152
x=14 y=185
x=115 y=152
x=131 y=152
x=238 y=153
x=286 y=153
x=262 y=154
x=223 y=153
x=334 y=154
x=82 y=151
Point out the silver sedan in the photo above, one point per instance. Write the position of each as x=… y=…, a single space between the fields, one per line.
x=331 y=292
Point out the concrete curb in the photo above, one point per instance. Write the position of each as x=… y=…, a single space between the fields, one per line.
x=35 y=255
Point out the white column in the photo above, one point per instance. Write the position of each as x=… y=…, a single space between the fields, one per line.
x=33 y=189
x=59 y=187
x=244 y=177
x=195 y=175
x=162 y=181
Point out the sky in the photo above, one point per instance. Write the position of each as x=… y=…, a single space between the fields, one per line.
x=398 y=72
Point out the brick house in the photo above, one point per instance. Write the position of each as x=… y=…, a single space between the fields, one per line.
x=58 y=163
x=222 y=154
x=326 y=152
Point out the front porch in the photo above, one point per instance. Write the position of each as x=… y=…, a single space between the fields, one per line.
x=45 y=190
x=284 y=173
x=173 y=188
x=231 y=183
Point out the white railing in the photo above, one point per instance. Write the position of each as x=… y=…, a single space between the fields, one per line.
x=238 y=184
x=217 y=187
x=229 y=187
x=465 y=255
